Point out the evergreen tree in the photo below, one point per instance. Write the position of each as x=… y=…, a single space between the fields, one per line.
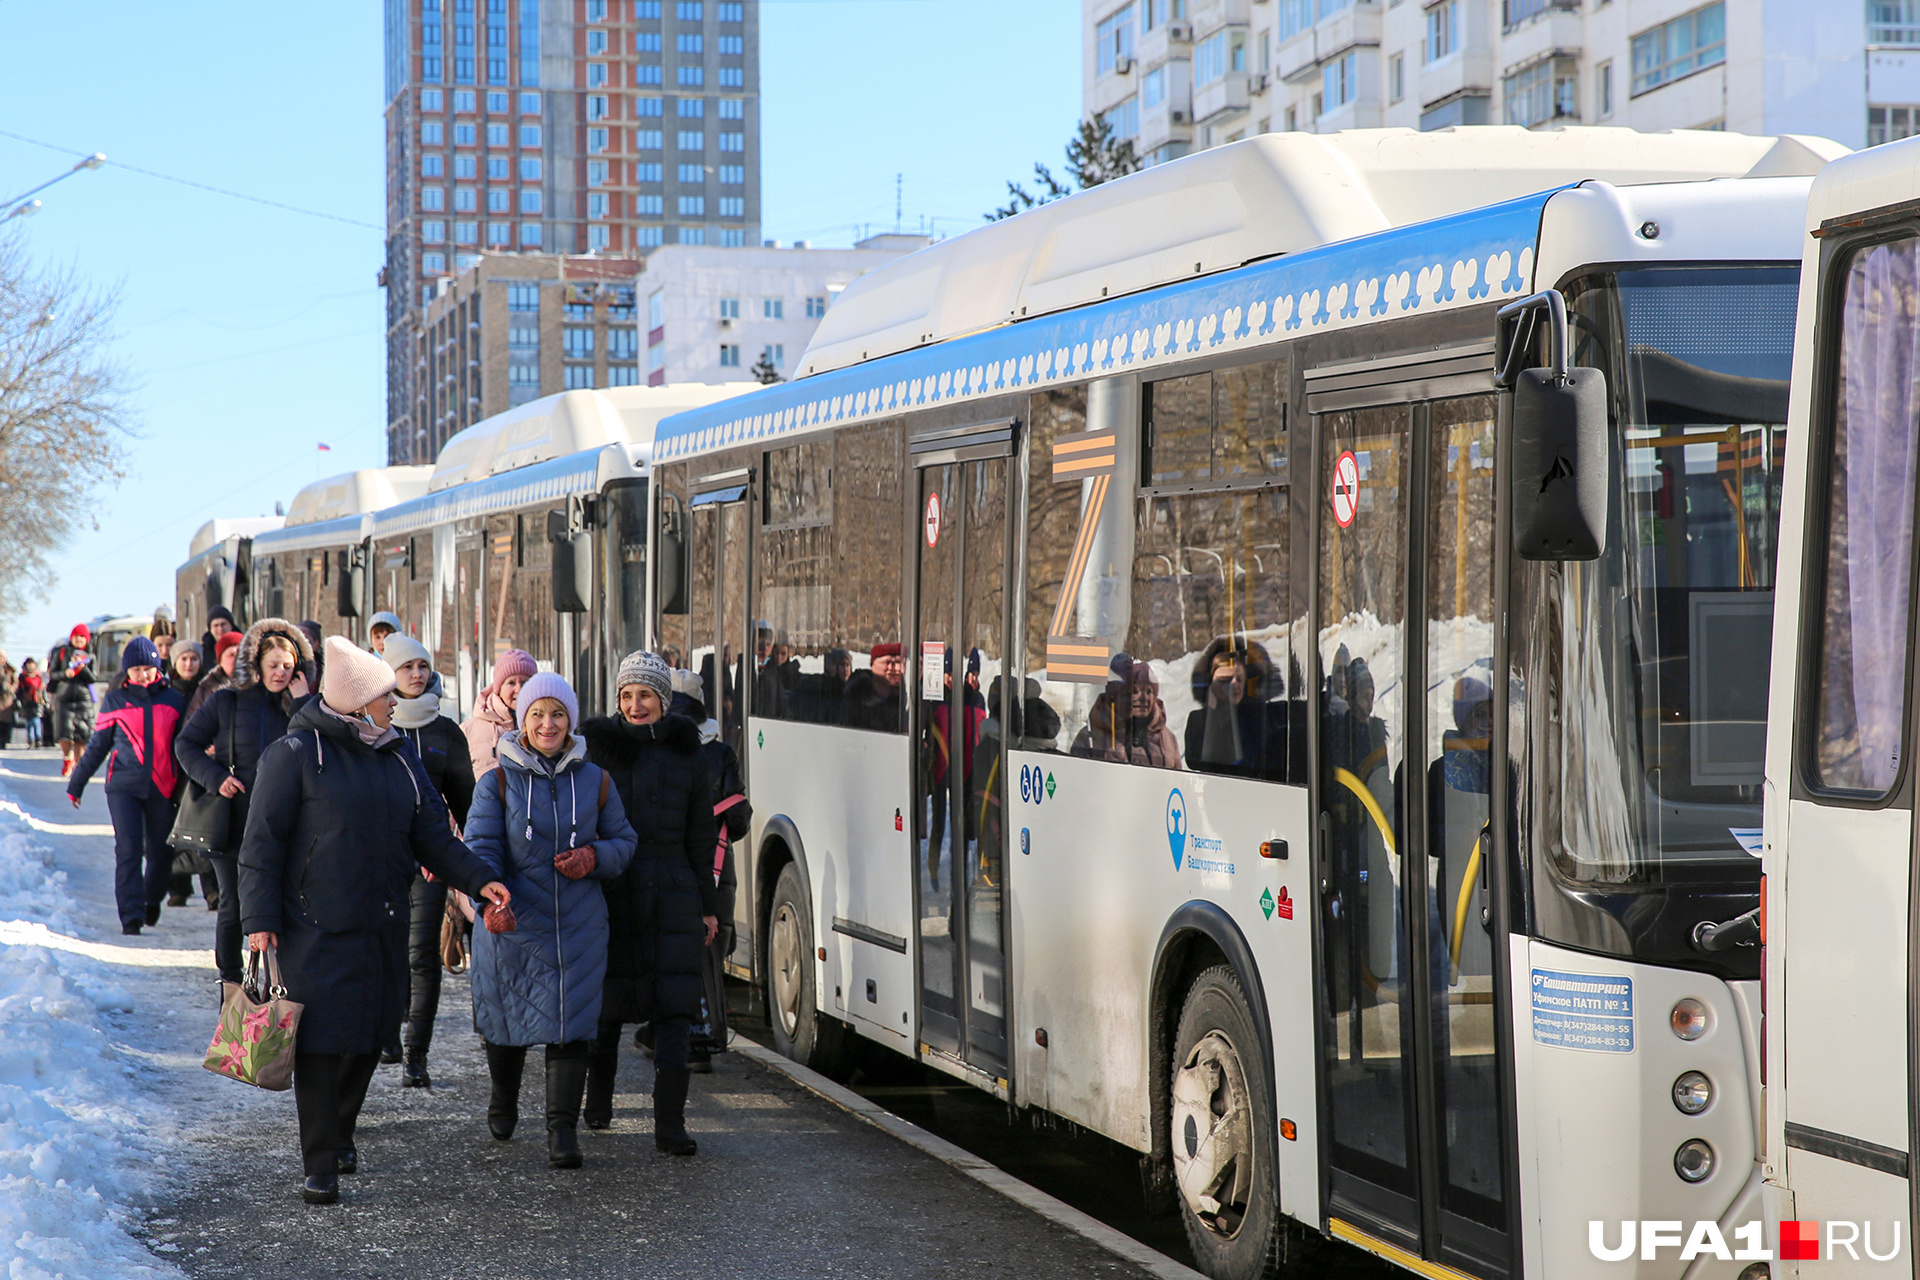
x=1094 y=156
x=764 y=372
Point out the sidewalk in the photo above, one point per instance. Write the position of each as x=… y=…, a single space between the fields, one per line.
x=786 y=1182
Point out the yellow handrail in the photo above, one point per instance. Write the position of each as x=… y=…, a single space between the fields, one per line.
x=1352 y=783
x=1466 y=894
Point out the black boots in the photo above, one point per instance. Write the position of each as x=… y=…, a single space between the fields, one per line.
x=413 y=1074
x=321 y=1188
x=603 y=1063
x=566 y=1080
x=670 y=1110
x=505 y=1063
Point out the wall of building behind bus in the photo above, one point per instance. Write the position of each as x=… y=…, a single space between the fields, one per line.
x=1166 y=73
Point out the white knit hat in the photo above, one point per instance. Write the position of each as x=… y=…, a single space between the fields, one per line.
x=404 y=649
x=353 y=677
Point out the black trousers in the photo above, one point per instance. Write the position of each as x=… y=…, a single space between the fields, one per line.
x=428 y=903
x=226 y=922
x=328 y=1090
x=142 y=863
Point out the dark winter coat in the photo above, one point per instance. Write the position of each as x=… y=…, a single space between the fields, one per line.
x=654 y=909
x=70 y=693
x=212 y=681
x=334 y=835
x=137 y=724
x=442 y=749
x=541 y=984
x=723 y=765
x=239 y=724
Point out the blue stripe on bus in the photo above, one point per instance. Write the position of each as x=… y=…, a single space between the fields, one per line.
x=541 y=482
x=1457 y=261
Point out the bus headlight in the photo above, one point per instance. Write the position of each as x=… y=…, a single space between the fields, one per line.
x=1693 y=1161
x=1689 y=1019
x=1693 y=1093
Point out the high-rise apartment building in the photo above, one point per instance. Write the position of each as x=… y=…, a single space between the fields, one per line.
x=1179 y=75
x=605 y=127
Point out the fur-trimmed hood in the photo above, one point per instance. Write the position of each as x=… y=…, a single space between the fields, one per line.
x=619 y=744
x=246 y=666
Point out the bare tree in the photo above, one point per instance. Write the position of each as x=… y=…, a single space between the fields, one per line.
x=1094 y=156
x=63 y=423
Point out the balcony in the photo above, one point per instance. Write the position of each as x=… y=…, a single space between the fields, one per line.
x=1223 y=97
x=1300 y=57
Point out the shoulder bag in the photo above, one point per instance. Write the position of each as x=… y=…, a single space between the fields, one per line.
x=203 y=824
x=259 y=1027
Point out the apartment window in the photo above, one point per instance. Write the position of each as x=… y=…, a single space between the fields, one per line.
x=693 y=140
x=530 y=200
x=732 y=78
x=496 y=104
x=647 y=73
x=1153 y=88
x=464 y=166
x=1603 y=90
x=1293 y=119
x=596 y=173
x=776 y=354
x=1895 y=22
x=1545 y=91
x=596 y=45
x=596 y=106
x=644 y=108
x=623 y=375
x=646 y=10
x=733 y=237
x=691 y=108
x=733 y=206
x=733 y=46
x=733 y=142
x=657 y=358
x=689 y=11
x=648 y=139
x=433 y=198
x=523 y=297
x=499 y=200
x=732 y=109
x=529 y=135
x=596 y=204
x=647 y=172
x=433 y=264
x=1338 y=80
x=433 y=134
x=647 y=237
x=656 y=310
x=529 y=235
x=578 y=311
x=1889 y=124
x=693 y=235
x=1515 y=12
x=596 y=75
x=690 y=42
x=523 y=338
x=529 y=104
x=773 y=308
x=1674 y=50
x=596 y=10
x=463 y=101
x=623 y=344
x=499 y=235
x=730 y=11
x=466 y=233
x=1113 y=40
x=530 y=169
x=499 y=168
x=729 y=355
x=577 y=342
x=729 y=308
x=1124 y=118
x=733 y=175
x=464 y=200
x=430 y=100
x=579 y=377
x=693 y=206
x=646 y=42
x=433 y=231
x=1443 y=30
x=432 y=166
x=1461 y=108
x=1397 y=77
x=816 y=307
x=655 y=205
x=463 y=135
x=596 y=141
x=692 y=77
x=692 y=173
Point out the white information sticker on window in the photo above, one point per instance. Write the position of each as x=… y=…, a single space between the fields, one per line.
x=933 y=670
x=1749 y=838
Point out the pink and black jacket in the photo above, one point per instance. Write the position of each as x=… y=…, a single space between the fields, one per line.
x=135 y=727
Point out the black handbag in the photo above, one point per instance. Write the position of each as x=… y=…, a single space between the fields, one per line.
x=202 y=825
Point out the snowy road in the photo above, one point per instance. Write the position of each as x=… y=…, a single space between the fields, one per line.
x=207 y=1170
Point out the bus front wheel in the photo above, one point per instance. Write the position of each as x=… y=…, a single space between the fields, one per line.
x=1221 y=1126
x=800 y=1032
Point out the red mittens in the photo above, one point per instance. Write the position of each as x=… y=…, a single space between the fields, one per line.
x=500 y=919
x=575 y=863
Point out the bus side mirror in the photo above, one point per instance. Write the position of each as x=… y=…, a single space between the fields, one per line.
x=673 y=564
x=1558 y=454
x=349 y=583
x=572 y=564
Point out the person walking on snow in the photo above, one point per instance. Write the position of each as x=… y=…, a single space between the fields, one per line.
x=442 y=749
x=28 y=699
x=544 y=821
x=340 y=817
x=493 y=715
x=137 y=724
x=70 y=693
x=664 y=911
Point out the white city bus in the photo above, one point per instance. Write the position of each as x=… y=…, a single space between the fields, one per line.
x=1059 y=612
x=1842 y=873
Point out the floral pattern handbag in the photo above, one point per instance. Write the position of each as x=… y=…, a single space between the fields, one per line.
x=255 y=1039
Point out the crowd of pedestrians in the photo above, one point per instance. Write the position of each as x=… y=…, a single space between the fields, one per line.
x=582 y=861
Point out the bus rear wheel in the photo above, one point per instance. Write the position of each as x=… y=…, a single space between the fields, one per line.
x=1222 y=1125
x=800 y=1031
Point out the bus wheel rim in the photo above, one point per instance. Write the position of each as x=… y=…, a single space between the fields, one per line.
x=1212 y=1117
x=787 y=985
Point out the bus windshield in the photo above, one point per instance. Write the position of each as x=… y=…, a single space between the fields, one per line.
x=1657 y=653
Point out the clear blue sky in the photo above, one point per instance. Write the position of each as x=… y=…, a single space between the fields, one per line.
x=250 y=334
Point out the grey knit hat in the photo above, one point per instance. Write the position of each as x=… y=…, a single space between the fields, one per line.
x=649 y=669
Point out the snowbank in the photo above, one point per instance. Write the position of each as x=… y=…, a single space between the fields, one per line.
x=76 y=1144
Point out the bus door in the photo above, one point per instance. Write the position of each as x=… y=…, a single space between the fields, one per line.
x=471 y=669
x=718 y=619
x=960 y=767
x=1414 y=1048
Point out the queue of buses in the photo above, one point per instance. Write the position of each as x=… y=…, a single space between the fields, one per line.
x=1372 y=669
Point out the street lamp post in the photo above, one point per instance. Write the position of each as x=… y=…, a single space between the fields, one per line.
x=25 y=208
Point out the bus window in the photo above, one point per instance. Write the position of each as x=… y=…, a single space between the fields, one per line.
x=625 y=557
x=1053 y=519
x=803 y=672
x=869 y=487
x=1863 y=633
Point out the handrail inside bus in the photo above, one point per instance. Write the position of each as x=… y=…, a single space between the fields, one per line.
x=1466 y=896
x=1351 y=782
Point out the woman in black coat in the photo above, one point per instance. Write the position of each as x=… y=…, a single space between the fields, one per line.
x=663 y=910
x=220 y=749
x=341 y=816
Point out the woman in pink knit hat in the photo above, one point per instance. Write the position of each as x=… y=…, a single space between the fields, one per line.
x=493 y=717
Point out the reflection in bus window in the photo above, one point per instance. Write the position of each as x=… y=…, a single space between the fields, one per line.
x=1053 y=518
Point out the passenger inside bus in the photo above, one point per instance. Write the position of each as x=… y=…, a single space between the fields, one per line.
x=1239 y=723
x=872 y=698
x=1128 y=722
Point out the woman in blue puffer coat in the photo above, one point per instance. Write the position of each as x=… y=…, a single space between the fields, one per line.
x=546 y=822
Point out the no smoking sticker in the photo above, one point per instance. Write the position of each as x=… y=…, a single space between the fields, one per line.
x=1346 y=489
x=933 y=518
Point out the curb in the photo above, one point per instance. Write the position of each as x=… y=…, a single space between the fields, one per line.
x=1055 y=1211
